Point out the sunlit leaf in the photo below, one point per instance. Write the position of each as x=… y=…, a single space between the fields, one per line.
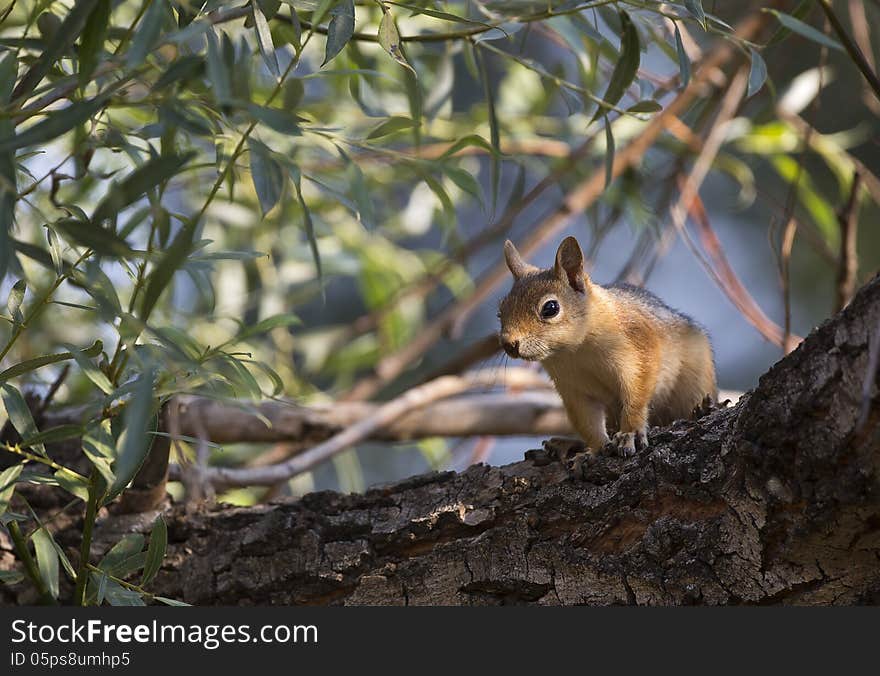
x=389 y=38
x=47 y=560
x=15 y=299
x=8 y=477
x=264 y=40
x=267 y=175
x=38 y=362
x=19 y=415
x=156 y=550
x=134 y=444
x=339 y=30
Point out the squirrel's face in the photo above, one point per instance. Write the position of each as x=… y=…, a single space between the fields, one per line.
x=545 y=311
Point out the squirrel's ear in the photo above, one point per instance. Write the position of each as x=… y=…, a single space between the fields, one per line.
x=570 y=264
x=517 y=265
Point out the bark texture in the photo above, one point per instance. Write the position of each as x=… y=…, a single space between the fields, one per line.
x=774 y=500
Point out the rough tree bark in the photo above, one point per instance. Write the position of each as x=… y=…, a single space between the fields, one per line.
x=774 y=500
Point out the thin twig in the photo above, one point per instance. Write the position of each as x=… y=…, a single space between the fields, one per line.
x=848 y=267
x=851 y=47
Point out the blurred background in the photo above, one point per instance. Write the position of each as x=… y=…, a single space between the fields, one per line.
x=302 y=200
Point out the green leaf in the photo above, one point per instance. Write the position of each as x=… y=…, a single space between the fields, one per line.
x=92 y=372
x=53 y=435
x=117 y=595
x=20 y=415
x=73 y=483
x=147 y=33
x=494 y=129
x=16 y=298
x=38 y=362
x=339 y=30
x=98 y=446
x=180 y=70
x=135 y=441
x=156 y=550
x=280 y=120
x=149 y=175
x=11 y=576
x=684 y=63
x=264 y=40
x=67 y=32
x=8 y=477
x=695 y=7
x=267 y=175
x=804 y=29
x=218 y=73
x=645 y=106
x=170 y=602
x=293 y=93
x=267 y=325
x=54 y=125
x=389 y=38
x=466 y=181
x=464 y=142
x=47 y=560
x=173 y=258
x=390 y=126
x=626 y=67
x=609 y=153
x=55 y=249
x=309 y=226
x=757 y=73
x=125 y=557
x=91 y=43
x=89 y=234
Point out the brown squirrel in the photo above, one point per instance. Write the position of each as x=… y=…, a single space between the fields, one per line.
x=618 y=355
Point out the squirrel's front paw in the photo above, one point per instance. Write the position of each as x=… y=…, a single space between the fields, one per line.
x=563 y=447
x=624 y=444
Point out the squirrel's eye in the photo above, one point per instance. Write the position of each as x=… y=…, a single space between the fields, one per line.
x=549 y=309
x=498 y=314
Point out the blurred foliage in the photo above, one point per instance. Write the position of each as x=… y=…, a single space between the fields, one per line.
x=203 y=198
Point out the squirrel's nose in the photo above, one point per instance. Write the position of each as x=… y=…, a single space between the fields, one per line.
x=511 y=347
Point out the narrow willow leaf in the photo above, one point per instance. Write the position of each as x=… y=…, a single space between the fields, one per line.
x=695 y=7
x=267 y=175
x=47 y=560
x=89 y=234
x=805 y=29
x=169 y=602
x=53 y=435
x=173 y=258
x=293 y=93
x=181 y=70
x=339 y=30
x=309 y=226
x=135 y=440
x=266 y=325
x=8 y=477
x=147 y=32
x=646 y=106
x=92 y=372
x=218 y=73
x=156 y=550
x=12 y=577
x=8 y=178
x=391 y=126
x=264 y=40
x=56 y=123
x=464 y=142
x=757 y=73
x=467 y=182
x=125 y=557
x=73 y=483
x=19 y=415
x=609 y=153
x=67 y=32
x=149 y=175
x=91 y=42
x=16 y=298
x=494 y=129
x=38 y=362
x=98 y=446
x=626 y=67
x=55 y=249
x=389 y=38
x=280 y=120
x=118 y=596
x=684 y=63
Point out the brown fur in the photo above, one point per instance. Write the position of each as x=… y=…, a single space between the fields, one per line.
x=617 y=355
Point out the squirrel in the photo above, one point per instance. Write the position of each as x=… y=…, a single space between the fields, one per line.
x=617 y=354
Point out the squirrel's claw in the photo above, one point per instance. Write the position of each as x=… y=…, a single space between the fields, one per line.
x=624 y=444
